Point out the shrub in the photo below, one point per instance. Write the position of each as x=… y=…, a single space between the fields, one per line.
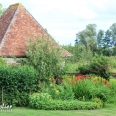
x=70 y=67
x=99 y=101
x=89 y=89
x=82 y=89
x=2 y=61
x=60 y=92
x=101 y=91
x=45 y=57
x=17 y=82
x=112 y=97
x=36 y=100
x=113 y=85
x=44 y=101
x=99 y=65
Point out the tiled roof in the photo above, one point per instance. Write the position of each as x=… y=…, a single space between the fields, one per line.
x=65 y=53
x=17 y=25
x=5 y=20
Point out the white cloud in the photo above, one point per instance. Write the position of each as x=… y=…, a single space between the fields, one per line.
x=74 y=7
x=101 y=4
x=64 y=18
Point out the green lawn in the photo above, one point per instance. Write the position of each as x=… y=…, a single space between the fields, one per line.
x=109 y=110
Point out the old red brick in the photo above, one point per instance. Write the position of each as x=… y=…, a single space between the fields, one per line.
x=17 y=25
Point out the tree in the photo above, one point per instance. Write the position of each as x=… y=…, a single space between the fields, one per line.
x=45 y=57
x=87 y=37
x=104 y=42
x=100 y=37
x=2 y=10
x=113 y=33
x=99 y=65
x=107 y=40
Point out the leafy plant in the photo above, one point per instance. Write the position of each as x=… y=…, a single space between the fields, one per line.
x=2 y=61
x=44 y=101
x=112 y=97
x=17 y=83
x=99 y=65
x=82 y=88
x=60 y=92
x=99 y=101
x=89 y=89
x=45 y=56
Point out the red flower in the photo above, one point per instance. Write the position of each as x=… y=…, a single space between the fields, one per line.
x=78 y=77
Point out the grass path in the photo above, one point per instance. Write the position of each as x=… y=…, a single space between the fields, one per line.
x=109 y=110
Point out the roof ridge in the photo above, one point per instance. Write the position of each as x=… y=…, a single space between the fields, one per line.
x=9 y=23
x=38 y=23
x=15 y=4
x=20 y=5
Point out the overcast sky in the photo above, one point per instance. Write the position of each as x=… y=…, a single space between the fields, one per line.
x=64 y=18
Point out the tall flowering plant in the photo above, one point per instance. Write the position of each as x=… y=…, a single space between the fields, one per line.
x=88 y=87
x=61 y=91
x=79 y=78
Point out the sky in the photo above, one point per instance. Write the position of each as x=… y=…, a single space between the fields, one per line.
x=64 y=18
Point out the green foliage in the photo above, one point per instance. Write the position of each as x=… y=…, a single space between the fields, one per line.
x=87 y=37
x=101 y=91
x=82 y=89
x=2 y=61
x=60 y=92
x=70 y=67
x=17 y=82
x=44 y=101
x=113 y=83
x=79 y=53
x=99 y=65
x=113 y=33
x=112 y=68
x=88 y=89
x=103 y=42
x=45 y=57
x=88 y=42
x=112 y=97
x=99 y=101
x=38 y=99
x=2 y=10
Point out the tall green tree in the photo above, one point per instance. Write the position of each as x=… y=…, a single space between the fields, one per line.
x=104 y=42
x=100 y=37
x=113 y=33
x=87 y=37
x=107 y=40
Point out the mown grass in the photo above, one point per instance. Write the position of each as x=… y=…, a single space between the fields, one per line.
x=108 y=110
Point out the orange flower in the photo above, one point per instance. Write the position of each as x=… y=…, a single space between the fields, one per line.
x=73 y=82
x=78 y=77
x=109 y=85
